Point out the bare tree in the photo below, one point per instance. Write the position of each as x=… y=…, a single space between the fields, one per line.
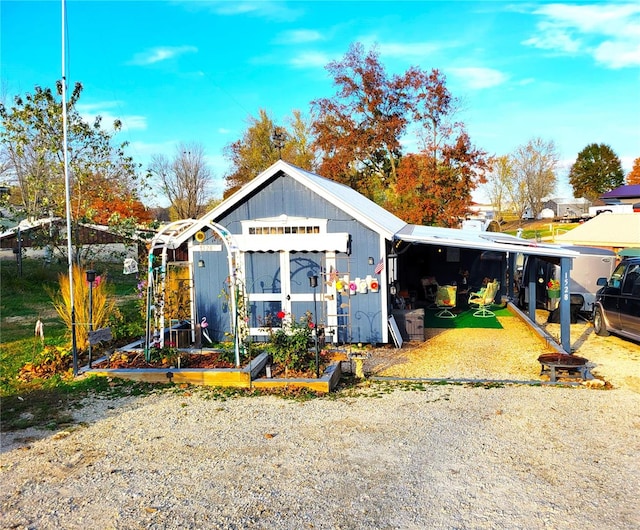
x=498 y=184
x=534 y=167
x=184 y=179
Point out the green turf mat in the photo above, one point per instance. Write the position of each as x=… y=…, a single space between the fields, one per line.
x=463 y=320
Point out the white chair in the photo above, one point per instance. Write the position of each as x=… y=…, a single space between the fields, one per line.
x=484 y=299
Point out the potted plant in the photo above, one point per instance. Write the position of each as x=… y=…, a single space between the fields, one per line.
x=553 y=289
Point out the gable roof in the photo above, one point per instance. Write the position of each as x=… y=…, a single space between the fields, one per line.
x=347 y=199
x=372 y=215
x=606 y=230
x=629 y=191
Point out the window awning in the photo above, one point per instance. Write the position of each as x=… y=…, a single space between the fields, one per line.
x=338 y=242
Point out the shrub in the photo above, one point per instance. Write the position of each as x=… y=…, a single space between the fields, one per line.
x=289 y=344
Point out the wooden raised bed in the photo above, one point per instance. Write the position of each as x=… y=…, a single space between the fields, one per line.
x=326 y=383
x=235 y=377
x=244 y=377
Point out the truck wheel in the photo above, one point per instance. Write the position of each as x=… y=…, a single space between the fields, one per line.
x=598 y=323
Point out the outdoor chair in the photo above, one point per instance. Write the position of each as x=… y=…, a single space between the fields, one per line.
x=484 y=299
x=430 y=287
x=446 y=301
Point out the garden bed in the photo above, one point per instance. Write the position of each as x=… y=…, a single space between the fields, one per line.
x=209 y=368
x=208 y=373
x=325 y=383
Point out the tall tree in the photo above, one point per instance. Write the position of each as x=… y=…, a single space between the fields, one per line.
x=452 y=167
x=633 y=177
x=184 y=179
x=438 y=192
x=358 y=130
x=263 y=143
x=32 y=139
x=534 y=167
x=597 y=169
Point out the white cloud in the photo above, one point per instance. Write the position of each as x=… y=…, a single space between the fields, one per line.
x=161 y=53
x=478 y=78
x=299 y=36
x=275 y=10
x=609 y=32
x=310 y=60
x=90 y=111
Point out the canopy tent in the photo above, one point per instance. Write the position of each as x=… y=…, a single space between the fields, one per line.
x=610 y=230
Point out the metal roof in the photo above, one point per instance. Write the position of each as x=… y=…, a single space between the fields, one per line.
x=377 y=218
x=454 y=237
x=623 y=192
x=344 y=197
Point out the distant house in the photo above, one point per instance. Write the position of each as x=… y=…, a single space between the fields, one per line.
x=36 y=237
x=568 y=207
x=628 y=194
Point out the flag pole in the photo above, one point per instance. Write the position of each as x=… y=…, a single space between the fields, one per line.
x=67 y=198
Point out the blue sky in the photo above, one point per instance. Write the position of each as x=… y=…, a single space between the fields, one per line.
x=194 y=71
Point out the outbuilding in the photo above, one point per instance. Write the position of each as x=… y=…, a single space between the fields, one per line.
x=291 y=243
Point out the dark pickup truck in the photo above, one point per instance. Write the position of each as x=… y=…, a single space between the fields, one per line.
x=617 y=306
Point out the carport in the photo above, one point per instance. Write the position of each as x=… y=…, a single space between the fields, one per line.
x=456 y=243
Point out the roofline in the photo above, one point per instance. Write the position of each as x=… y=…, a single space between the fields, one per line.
x=486 y=241
x=299 y=175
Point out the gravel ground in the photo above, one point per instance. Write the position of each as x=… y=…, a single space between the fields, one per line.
x=383 y=456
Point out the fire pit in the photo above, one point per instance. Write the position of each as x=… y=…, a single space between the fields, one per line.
x=572 y=364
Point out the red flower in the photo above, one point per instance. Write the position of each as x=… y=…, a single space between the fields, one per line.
x=312 y=325
x=280 y=314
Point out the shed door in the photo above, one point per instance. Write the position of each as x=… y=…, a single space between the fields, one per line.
x=278 y=282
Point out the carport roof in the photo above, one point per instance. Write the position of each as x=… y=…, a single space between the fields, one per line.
x=453 y=237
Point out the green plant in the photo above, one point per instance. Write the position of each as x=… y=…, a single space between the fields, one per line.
x=168 y=354
x=289 y=344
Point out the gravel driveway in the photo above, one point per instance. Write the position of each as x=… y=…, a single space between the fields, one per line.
x=382 y=456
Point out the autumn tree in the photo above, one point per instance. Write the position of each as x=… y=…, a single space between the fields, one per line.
x=358 y=130
x=263 y=143
x=534 y=166
x=438 y=192
x=597 y=170
x=184 y=179
x=452 y=167
x=114 y=204
x=32 y=139
x=633 y=178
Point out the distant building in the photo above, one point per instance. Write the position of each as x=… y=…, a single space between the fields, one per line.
x=628 y=194
x=568 y=207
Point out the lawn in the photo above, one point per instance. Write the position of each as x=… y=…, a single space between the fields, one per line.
x=44 y=402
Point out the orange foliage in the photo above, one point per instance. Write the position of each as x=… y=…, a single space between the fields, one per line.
x=634 y=175
x=438 y=192
x=109 y=200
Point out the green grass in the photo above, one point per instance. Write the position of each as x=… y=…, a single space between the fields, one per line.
x=24 y=299
x=539 y=229
x=45 y=403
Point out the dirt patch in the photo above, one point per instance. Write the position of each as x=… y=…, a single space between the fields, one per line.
x=208 y=360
